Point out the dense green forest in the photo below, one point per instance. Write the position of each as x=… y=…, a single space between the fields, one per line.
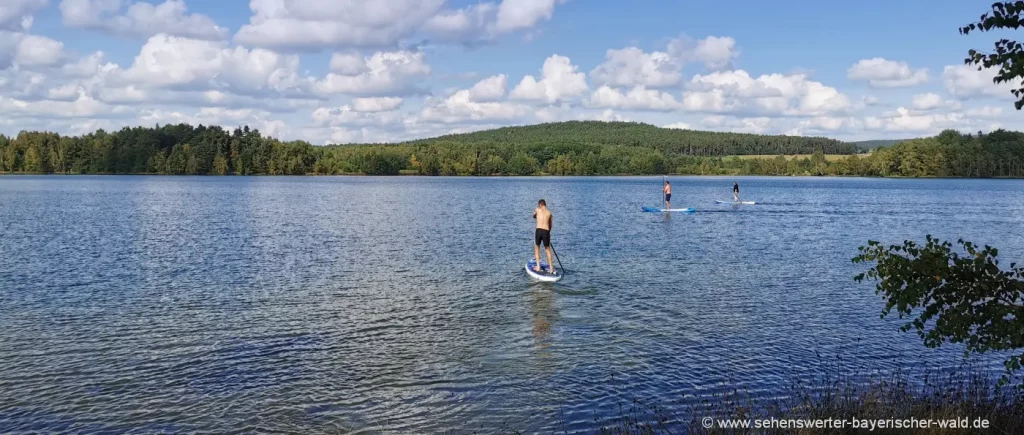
x=567 y=148
x=868 y=145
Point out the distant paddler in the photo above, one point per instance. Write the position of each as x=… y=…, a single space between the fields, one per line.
x=735 y=191
x=668 y=195
x=542 y=235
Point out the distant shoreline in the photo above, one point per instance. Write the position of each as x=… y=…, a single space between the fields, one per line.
x=890 y=177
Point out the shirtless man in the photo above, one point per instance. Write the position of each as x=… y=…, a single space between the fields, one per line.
x=543 y=234
x=668 y=195
x=735 y=191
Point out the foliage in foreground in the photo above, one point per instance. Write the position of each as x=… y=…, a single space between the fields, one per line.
x=952 y=298
x=568 y=148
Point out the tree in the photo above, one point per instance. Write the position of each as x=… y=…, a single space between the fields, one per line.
x=1008 y=55
x=959 y=299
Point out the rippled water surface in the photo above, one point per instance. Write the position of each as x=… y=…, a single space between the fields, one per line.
x=322 y=304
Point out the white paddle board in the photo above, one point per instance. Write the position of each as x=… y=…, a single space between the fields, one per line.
x=545 y=274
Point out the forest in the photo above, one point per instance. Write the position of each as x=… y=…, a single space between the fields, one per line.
x=566 y=148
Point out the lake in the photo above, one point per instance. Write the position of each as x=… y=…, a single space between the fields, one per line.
x=400 y=304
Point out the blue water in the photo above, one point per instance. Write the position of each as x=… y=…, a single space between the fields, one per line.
x=358 y=304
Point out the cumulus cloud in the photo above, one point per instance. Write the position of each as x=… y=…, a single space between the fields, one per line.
x=489 y=89
x=376 y=104
x=319 y=24
x=84 y=106
x=382 y=73
x=187 y=70
x=484 y=22
x=477 y=104
x=678 y=126
x=966 y=82
x=191 y=64
x=637 y=98
x=29 y=51
x=523 y=14
x=715 y=52
x=141 y=19
x=472 y=23
x=632 y=66
x=774 y=94
x=349 y=115
x=883 y=73
x=753 y=125
x=16 y=15
x=932 y=101
x=559 y=81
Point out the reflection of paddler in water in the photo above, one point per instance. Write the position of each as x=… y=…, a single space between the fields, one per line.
x=542 y=308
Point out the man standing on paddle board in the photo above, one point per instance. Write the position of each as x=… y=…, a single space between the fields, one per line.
x=735 y=191
x=668 y=195
x=542 y=234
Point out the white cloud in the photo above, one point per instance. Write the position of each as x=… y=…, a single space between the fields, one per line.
x=489 y=89
x=190 y=64
x=632 y=66
x=82 y=107
x=476 y=104
x=377 y=104
x=472 y=23
x=227 y=119
x=30 y=51
x=319 y=24
x=349 y=115
x=606 y=115
x=771 y=94
x=559 y=82
x=141 y=19
x=16 y=15
x=931 y=101
x=382 y=73
x=966 y=82
x=523 y=14
x=637 y=98
x=716 y=53
x=984 y=112
x=678 y=126
x=909 y=121
x=753 y=125
x=883 y=73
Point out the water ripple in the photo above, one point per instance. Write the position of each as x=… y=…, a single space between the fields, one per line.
x=399 y=305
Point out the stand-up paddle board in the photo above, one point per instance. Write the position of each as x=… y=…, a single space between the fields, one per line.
x=736 y=202
x=658 y=210
x=545 y=274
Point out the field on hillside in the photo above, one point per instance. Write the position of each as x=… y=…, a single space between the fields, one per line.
x=828 y=157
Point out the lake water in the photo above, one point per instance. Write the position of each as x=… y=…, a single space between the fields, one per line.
x=400 y=305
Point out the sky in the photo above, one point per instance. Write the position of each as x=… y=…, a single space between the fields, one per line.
x=358 y=71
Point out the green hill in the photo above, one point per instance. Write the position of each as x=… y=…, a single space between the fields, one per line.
x=566 y=148
x=583 y=135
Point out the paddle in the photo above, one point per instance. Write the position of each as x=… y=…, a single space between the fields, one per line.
x=556 y=258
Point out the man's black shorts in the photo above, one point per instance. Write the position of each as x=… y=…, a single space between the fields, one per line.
x=542 y=235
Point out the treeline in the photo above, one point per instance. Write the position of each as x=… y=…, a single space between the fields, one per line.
x=570 y=148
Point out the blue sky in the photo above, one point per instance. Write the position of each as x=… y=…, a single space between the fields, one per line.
x=338 y=71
